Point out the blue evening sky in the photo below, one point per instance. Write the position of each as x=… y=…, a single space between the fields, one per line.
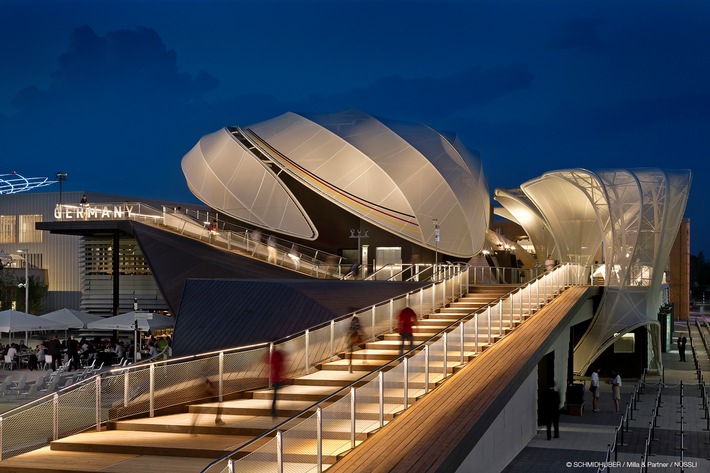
x=116 y=92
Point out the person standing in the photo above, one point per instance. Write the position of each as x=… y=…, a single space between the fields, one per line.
x=616 y=389
x=355 y=338
x=551 y=409
x=54 y=349
x=682 y=341
x=549 y=263
x=407 y=320
x=73 y=352
x=594 y=389
x=276 y=366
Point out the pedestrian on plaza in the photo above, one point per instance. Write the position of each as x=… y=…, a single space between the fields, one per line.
x=616 y=389
x=73 y=352
x=276 y=361
x=355 y=338
x=407 y=320
x=551 y=409
x=594 y=389
x=54 y=349
x=681 y=346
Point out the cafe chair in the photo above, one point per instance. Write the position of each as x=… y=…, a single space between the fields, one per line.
x=47 y=362
x=9 y=363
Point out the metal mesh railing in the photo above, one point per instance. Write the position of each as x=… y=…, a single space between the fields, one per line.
x=142 y=389
x=376 y=402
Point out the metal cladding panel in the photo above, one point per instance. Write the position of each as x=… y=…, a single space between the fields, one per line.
x=196 y=260
x=570 y=217
x=398 y=176
x=59 y=253
x=217 y=314
x=528 y=216
x=223 y=174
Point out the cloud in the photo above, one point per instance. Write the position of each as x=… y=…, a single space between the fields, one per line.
x=427 y=96
x=578 y=34
x=123 y=69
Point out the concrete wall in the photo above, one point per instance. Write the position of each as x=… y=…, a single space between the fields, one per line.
x=509 y=433
x=516 y=424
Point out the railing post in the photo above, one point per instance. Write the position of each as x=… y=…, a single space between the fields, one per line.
x=97 y=388
x=446 y=353
x=500 y=316
x=353 y=418
x=381 y=379
x=488 y=314
x=332 y=338
x=421 y=300
x=461 y=325
x=476 y=332
x=319 y=439
x=426 y=369
x=279 y=452
x=406 y=382
x=1 y=435
x=151 y=372
x=125 y=388
x=307 y=340
x=55 y=416
x=391 y=316
x=221 y=377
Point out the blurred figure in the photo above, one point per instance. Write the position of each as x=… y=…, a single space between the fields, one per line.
x=210 y=390
x=616 y=389
x=407 y=319
x=549 y=263
x=271 y=249
x=355 y=338
x=276 y=366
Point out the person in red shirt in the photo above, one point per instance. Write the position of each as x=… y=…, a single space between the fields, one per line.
x=276 y=366
x=406 y=321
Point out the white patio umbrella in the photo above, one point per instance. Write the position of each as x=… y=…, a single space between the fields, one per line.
x=72 y=318
x=126 y=322
x=16 y=321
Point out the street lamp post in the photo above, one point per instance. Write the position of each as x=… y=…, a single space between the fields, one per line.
x=61 y=177
x=26 y=284
x=359 y=234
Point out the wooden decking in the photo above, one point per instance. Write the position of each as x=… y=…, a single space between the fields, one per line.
x=437 y=433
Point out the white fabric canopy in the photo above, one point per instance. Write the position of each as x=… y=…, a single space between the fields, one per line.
x=16 y=321
x=72 y=318
x=125 y=322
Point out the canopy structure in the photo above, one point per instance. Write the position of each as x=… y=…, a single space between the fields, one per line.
x=405 y=178
x=127 y=320
x=630 y=217
x=71 y=318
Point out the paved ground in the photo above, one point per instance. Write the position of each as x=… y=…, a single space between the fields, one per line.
x=584 y=440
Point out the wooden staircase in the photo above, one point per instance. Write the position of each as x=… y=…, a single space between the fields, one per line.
x=188 y=438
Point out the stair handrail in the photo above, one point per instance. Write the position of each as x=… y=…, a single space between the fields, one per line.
x=570 y=279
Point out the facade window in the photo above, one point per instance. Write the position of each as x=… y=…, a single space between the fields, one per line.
x=8 y=229
x=28 y=232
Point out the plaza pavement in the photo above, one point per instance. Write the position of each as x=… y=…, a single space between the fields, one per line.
x=584 y=440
